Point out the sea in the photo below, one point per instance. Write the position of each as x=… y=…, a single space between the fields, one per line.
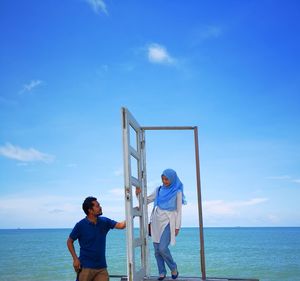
x=265 y=253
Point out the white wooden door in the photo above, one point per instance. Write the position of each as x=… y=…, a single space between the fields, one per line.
x=136 y=207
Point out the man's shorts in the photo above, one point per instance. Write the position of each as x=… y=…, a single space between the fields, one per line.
x=90 y=274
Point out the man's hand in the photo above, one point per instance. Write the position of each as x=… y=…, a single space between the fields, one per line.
x=76 y=264
x=120 y=225
x=176 y=232
x=76 y=261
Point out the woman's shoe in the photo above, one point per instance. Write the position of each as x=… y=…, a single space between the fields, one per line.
x=174 y=276
x=161 y=277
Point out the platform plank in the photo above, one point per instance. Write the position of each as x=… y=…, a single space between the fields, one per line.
x=187 y=278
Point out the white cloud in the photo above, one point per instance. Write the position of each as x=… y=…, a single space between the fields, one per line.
x=56 y=211
x=151 y=185
x=47 y=211
x=72 y=165
x=7 y=102
x=24 y=155
x=104 y=67
x=98 y=6
x=220 y=207
x=273 y=218
x=227 y=213
x=159 y=54
x=31 y=85
x=119 y=172
x=252 y=202
x=211 y=31
x=285 y=177
x=117 y=192
x=23 y=164
x=202 y=33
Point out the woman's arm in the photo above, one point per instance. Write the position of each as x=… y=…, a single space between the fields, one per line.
x=150 y=198
x=178 y=213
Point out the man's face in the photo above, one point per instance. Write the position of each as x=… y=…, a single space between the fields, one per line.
x=96 y=210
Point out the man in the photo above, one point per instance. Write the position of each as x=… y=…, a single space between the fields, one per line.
x=91 y=234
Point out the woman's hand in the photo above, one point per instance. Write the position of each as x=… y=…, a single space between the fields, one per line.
x=138 y=190
x=176 y=232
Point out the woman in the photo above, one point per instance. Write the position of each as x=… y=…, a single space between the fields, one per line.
x=166 y=220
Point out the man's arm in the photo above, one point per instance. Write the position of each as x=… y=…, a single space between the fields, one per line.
x=120 y=225
x=76 y=262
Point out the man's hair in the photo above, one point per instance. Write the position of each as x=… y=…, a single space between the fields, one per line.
x=88 y=204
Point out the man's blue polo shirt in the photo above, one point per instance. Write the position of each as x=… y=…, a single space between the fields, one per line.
x=92 y=241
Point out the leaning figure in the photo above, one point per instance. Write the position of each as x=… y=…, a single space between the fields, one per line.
x=166 y=220
x=91 y=233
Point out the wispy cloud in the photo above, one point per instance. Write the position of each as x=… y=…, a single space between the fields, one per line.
x=210 y=31
x=159 y=54
x=273 y=218
x=56 y=211
x=24 y=155
x=119 y=172
x=30 y=86
x=221 y=207
x=49 y=203
x=285 y=177
x=98 y=6
x=151 y=185
x=118 y=192
x=72 y=165
x=202 y=33
x=7 y=102
x=52 y=211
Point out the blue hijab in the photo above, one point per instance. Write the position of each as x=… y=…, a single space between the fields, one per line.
x=166 y=196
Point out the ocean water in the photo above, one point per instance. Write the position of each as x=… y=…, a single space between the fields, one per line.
x=269 y=254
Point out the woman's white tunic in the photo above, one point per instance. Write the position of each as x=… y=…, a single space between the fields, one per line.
x=161 y=218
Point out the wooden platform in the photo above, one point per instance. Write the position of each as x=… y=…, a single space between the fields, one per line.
x=183 y=278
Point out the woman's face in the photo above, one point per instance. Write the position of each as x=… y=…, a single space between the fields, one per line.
x=165 y=181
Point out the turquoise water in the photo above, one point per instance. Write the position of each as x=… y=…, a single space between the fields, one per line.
x=270 y=254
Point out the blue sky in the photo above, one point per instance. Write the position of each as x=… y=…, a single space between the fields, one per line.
x=232 y=68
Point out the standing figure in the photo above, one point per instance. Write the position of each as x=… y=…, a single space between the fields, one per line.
x=166 y=220
x=91 y=233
